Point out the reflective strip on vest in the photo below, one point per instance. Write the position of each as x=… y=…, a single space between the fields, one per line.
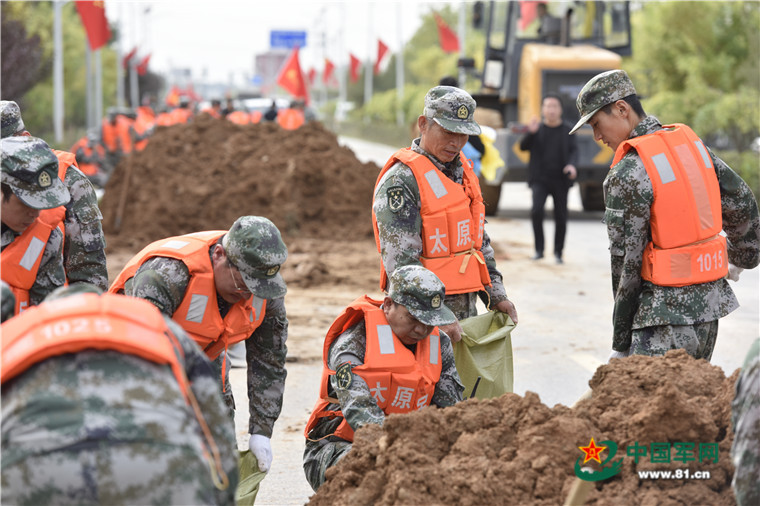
x=435 y=344
x=436 y=184
x=31 y=254
x=664 y=168
x=175 y=244
x=703 y=153
x=256 y=303
x=697 y=183
x=197 y=308
x=385 y=340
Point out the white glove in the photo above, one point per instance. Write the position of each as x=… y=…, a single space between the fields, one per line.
x=261 y=448
x=733 y=272
x=619 y=354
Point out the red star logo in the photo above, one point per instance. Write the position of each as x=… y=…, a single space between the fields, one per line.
x=592 y=451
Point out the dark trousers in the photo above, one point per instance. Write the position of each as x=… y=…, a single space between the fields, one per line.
x=558 y=191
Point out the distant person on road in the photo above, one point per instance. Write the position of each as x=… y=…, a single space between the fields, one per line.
x=32 y=209
x=224 y=287
x=551 y=171
x=428 y=210
x=381 y=357
x=84 y=256
x=667 y=199
x=106 y=401
x=271 y=114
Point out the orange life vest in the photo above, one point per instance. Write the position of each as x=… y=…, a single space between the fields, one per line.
x=180 y=115
x=164 y=119
x=88 y=168
x=400 y=380
x=239 y=117
x=123 y=135
x=89 y=321
x=198 y=313
x=453 y=220
x=290 y=119
x=256 y=117
x=108 y=135
x=144 y=120
x=686 y=220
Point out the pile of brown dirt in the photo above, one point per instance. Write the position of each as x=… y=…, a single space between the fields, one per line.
x=516 y=450
x=206 y=174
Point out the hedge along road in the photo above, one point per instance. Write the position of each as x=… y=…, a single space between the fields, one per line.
x=564 y=334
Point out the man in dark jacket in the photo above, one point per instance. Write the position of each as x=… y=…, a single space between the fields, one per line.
x=551 y=171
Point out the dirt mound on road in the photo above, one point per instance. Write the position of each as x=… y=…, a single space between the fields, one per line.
x=204 y=175
x=516 y=450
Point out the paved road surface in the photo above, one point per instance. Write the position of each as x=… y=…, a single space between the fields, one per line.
x=562 y=337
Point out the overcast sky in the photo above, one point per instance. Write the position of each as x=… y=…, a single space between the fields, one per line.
x=222 y=37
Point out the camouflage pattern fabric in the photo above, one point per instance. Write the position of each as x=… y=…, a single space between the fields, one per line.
x=30 y=168
x=50 y=274
x=745 y=419
x=163 y=282
x=101 y=427
x=422 y=293
x=84 y=256
x=452 y=108
x=400 y=231
x=698 y=339
x=602 y=89
x=7 y=301
x=10 y=119
x=357 y=403
x=639 y=304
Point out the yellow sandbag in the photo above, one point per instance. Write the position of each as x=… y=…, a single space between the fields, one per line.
x=486 y=351
x=250 y=478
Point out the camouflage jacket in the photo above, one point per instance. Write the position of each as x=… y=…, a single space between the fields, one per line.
x=400 y=232
x=628 y=197
x=84 y=255
x=85 y=400
x=50 y=274
x=356 y=402
x=745 y=421
x=163 y=282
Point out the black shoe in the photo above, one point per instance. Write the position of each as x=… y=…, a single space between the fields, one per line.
x=558 y=258
x=537 y=256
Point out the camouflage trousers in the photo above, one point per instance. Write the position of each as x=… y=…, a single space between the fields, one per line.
x=698 y=339
x=111 y=472
x=320 y=455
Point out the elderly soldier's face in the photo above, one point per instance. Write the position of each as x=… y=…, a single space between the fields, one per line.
x=407 y=328
x=16 y=215
x=440 y=143
x=227 y=278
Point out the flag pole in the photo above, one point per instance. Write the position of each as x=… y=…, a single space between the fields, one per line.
x=58 y=71
x=461 y=30
x=369 y=73
x=399 y=68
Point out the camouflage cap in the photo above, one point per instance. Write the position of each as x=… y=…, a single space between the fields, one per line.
x=422 y=293
x=75 y=289
x=10 y=119
x=254 y=246
x=31 y=170
x=7 y=301
x=602 y=89
x=452 y=108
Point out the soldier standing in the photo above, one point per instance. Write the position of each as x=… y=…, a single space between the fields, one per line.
x=106 y=401
x=667 y=198
x=428 y=210
x=224 y=287
x=381 y=357
x=32 y=208
x=84 y=256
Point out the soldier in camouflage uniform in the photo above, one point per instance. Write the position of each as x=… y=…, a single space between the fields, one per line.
x=29 y=184
x=84 y=257
x=413 y=310
x=106 y=427
x=745 y=418
x=650 y=319
x=445 y=126
x=245 y=262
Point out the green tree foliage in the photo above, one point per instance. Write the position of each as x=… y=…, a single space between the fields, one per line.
x=699 y=63
x=36 y=101
x=22 y=63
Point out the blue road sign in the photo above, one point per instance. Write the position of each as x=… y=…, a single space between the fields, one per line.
x=287 y=39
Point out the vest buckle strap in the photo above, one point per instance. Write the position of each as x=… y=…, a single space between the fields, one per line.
x=466 y=260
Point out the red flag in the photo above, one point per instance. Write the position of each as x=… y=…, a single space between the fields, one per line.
x=382 y=56
x=142 y=67
x=327 y=74
x=356 y=64
x=93 y=16
x=527 y=12
x=447 y=38
x=128 y=57
x=291 y=77
x=311 y=75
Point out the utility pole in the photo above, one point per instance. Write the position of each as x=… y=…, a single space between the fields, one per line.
x=368 y=73
x=399 y=68
x=461 y=34
x=58 y=71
